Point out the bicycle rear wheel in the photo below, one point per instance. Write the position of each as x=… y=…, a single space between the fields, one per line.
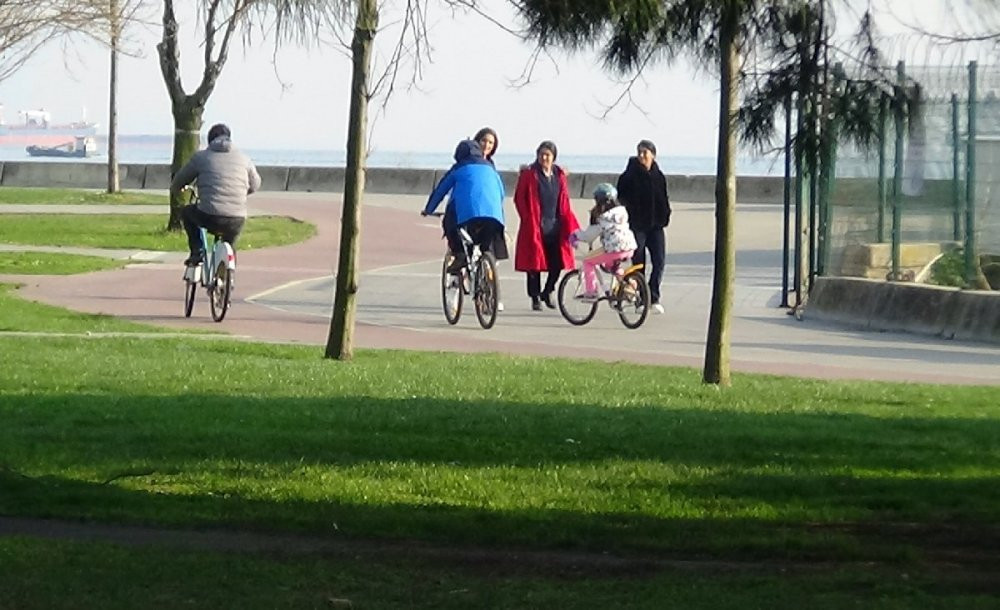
x=576 y=311
x=451 y=292
x=632 y=299
x=190 y=288
x=221 y=291
x=486 y=292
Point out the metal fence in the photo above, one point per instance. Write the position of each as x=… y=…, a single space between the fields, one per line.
x=931 y=186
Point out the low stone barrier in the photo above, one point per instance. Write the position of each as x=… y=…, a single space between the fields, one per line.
x=157 y=177
x=313 y=179
x=689 y=189
x=87 y=175
x=400 y=181
x=277 y=177
x=972 y=315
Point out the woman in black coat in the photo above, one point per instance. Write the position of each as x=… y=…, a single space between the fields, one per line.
x=642 y=188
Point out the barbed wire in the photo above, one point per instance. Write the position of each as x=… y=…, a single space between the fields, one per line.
x=941 y=69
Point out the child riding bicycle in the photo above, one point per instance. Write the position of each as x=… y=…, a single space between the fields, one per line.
x=609 y=221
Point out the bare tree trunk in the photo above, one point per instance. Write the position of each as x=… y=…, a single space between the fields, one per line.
x=340 y=343
x=188 y=109
x=114 y=184
x=717 y=344
x=187 y=137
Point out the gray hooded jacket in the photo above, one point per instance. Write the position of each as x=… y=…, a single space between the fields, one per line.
x=225 y=177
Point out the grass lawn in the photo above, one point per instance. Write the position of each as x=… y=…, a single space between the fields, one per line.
x=143 y=231
x=53 y=263
x=65 y=196
x=780 y=492
x=500 y=450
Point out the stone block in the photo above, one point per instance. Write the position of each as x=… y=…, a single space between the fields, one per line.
x=316 y=179
x=273 y=178
x=157 y=177
x=58 y=174
x=401 y=181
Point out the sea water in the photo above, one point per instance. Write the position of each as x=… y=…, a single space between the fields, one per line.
x=157 y=150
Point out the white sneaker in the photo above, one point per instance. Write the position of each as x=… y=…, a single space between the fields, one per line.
x=657 y=308
x=499 y=306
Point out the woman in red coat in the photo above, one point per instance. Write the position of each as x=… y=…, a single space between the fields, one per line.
x=542 y=201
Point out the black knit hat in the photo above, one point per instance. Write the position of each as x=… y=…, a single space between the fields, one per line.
x=550 y=146
x=648 y=145
x=217 y=130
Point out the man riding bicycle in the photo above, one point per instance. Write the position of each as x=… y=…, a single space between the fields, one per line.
x=225 y=177
x=477 y=195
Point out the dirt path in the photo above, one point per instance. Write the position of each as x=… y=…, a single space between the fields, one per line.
x=965 y=557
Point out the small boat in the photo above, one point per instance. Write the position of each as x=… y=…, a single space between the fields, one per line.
x=81 y=146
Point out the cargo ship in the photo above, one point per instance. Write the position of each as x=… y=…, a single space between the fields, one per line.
x=36 y=127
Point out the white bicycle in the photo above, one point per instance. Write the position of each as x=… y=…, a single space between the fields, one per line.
x=215 y=274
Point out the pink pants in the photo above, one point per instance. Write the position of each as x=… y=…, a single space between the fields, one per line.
x=599 y=258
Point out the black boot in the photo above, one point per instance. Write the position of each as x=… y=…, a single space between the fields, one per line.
x=536 y=304
x=547 y=299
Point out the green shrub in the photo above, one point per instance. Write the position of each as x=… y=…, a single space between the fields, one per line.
x=949 y=270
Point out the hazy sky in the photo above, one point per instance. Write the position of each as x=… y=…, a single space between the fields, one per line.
x=467 y=86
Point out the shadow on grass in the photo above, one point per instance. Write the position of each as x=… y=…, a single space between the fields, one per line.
x=704 y=482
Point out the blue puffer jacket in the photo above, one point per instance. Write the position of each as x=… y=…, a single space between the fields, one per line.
x=475 y=186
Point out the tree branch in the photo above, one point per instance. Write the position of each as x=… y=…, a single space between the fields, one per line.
x=170 y=55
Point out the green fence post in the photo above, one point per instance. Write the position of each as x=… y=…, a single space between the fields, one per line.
x=970 y=183
x=828 y=171
x=897 y=174
x=883 y=132
x=786 y=200
x=956 y=182
x=801 y=200
x=813 y=190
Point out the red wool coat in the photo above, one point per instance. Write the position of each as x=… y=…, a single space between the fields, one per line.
x=530 y=255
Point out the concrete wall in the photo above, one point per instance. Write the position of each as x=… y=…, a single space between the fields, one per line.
x=689 y=189
x=972 y=315
x=88 y=175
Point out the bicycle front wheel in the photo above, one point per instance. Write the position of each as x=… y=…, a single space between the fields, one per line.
x=221 y=291
x=632 y=299
x=451 y=292
x=190 y=288
x=486 y=292
x=576 y=311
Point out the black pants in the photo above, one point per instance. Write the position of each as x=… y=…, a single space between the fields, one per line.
x=449 y=224
x=495 y=244
x=553 y=261
x=655 y=241
x=229 y=227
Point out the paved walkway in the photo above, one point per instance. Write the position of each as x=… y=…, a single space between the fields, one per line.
x=285 y=294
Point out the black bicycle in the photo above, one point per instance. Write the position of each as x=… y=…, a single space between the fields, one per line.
x=477 y=279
